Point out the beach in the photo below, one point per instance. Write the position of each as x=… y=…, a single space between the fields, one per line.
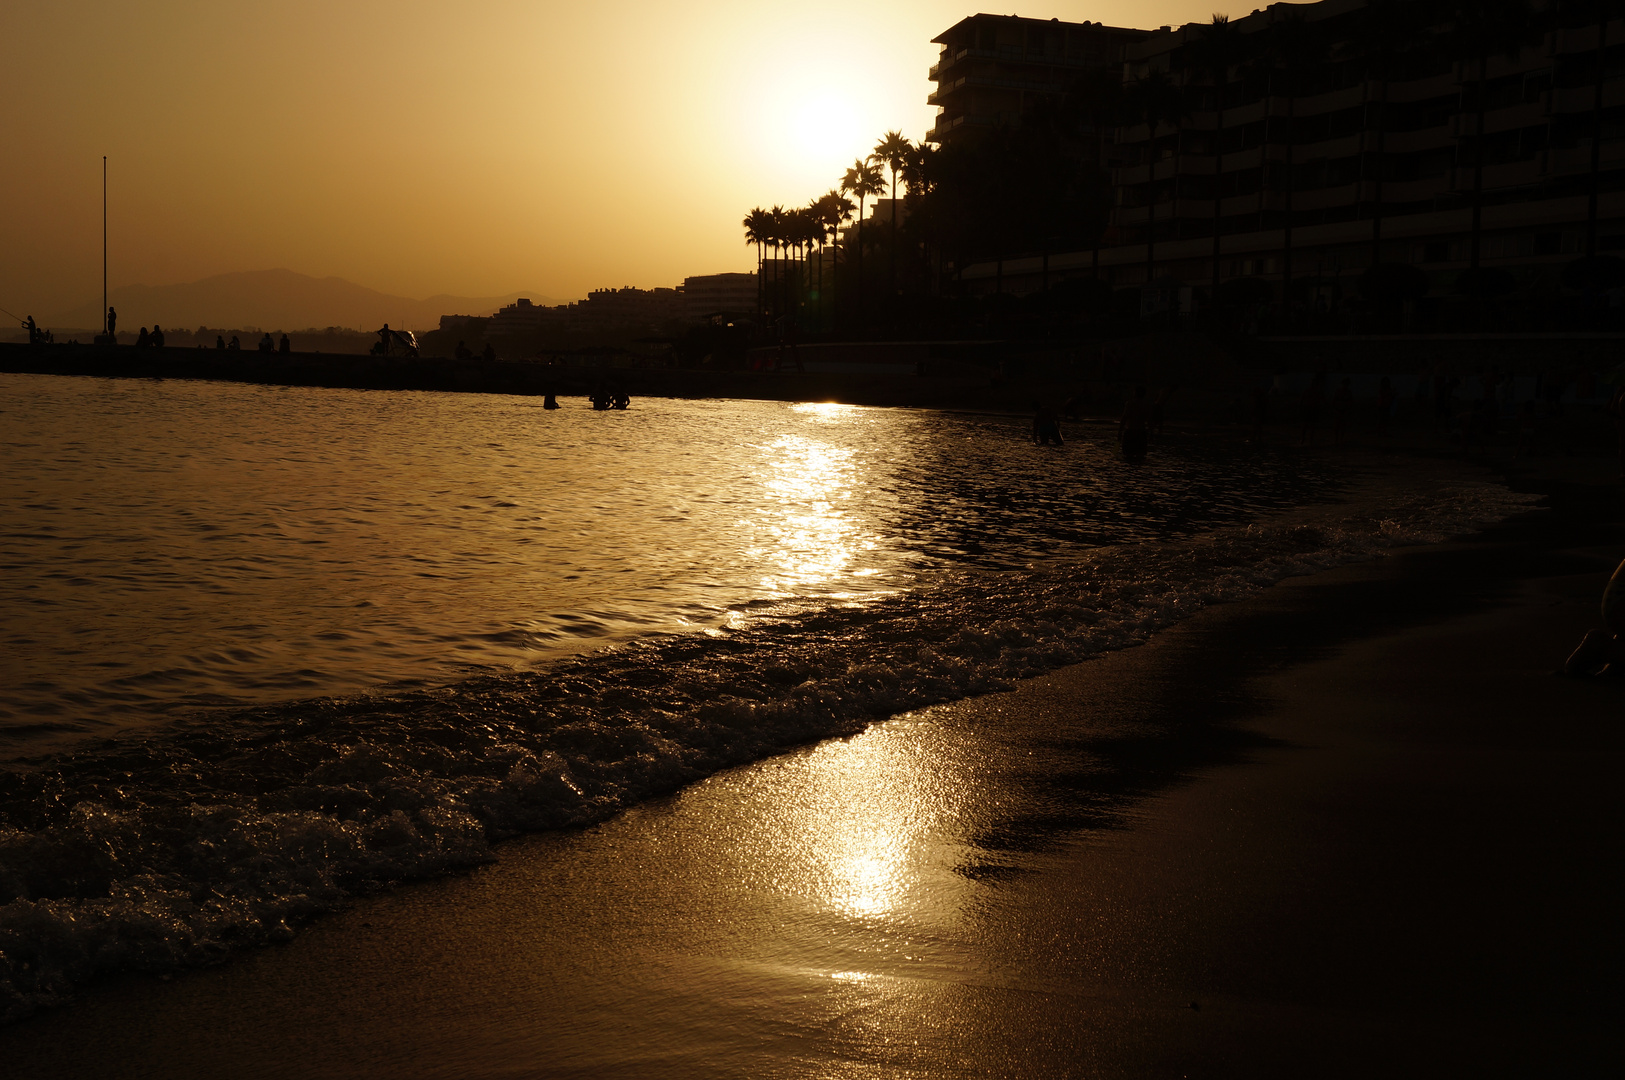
x=1353 y=824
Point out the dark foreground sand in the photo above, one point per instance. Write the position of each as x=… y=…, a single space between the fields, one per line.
x=1354 y=827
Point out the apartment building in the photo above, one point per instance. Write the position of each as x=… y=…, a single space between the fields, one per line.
x=1350 y=156
x=710 y=294
x=994 y=67
x=1315 y=166
x=521 y=317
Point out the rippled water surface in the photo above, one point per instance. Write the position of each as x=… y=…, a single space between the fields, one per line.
x=172 y=544
x=338 y=639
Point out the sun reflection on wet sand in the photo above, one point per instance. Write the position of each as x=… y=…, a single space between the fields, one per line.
x=861 y=834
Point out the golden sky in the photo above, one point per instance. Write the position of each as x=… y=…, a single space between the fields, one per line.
x=471 y=148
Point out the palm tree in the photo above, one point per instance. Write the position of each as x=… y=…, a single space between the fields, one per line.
x=863 y=179
x=757 y=224
x=1479 y=28
x=893 y=151
x=1097 y=99
x=1596 y=12
x=1151 y=101
x=1379 y=32
x=777 y=230
x=1293 y=48
x=833 y=208
x=803 y=234
x=1219 y=48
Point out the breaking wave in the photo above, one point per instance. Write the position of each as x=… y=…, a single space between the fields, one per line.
x=173 y=848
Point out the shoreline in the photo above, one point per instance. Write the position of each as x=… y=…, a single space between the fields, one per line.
x=1221 y=868
x=950 y=390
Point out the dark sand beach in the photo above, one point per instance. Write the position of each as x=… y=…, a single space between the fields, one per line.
x=1354 y=826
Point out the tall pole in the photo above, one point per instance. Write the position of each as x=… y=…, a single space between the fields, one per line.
x=104 y=244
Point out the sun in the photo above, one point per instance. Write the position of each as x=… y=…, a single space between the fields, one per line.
x=825 y=128
x=811 y=132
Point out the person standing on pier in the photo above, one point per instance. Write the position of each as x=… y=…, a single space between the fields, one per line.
x=112 y=324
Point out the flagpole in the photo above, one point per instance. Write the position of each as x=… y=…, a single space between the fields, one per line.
x=104 y=245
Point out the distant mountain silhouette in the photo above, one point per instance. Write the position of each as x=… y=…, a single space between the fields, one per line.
x=278 y=300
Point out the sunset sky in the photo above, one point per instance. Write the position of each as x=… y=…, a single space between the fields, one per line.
x=414 y=147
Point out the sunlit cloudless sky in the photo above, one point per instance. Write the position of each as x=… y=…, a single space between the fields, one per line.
x=424 y=147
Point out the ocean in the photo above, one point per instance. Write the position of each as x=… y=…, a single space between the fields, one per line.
x=265 y=649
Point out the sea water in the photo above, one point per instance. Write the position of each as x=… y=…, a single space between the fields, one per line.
x=262 y=649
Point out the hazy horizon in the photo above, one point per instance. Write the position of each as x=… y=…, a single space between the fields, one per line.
x=421 y=150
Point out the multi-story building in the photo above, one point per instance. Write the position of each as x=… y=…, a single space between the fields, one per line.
x=628 y=310
x=994 y=67
x=520 y=318
x=1362 y=148
x=712 y=294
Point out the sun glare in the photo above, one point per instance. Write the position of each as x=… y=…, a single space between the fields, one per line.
x=813 y=132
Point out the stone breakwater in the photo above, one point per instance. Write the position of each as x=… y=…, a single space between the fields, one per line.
x=941 y=386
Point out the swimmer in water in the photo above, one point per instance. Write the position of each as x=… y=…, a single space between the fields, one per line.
x=1046 y=426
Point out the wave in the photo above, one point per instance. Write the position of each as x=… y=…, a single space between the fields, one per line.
x=176 y=847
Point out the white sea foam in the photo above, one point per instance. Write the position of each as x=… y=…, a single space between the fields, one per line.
x=176 y=847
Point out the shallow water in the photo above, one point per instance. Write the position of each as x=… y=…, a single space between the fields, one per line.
x=264 y=649
x=177 y=544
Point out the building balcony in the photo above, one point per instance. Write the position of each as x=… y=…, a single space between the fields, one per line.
x=1569 y=160
x=1406 y=142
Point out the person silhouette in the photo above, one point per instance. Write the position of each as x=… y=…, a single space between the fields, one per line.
x=220 y=343
x=112 y=322
x=1603 y=651
x=1046 y=426
x=143 y=339
x=284 y=346
x=157 y=338
x=234 y=344
x=266 y=344
x=33 y=330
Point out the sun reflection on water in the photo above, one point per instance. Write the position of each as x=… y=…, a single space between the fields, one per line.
x=811 y=531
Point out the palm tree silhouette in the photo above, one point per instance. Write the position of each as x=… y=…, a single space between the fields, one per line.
x=1293 y=48
x=1097 y=98
x=893 y=151
x=1479 y=28
x=1151 y=100
x=863 y=179
x=757 y=226
x=1379 y=31
x=776 y=232
x=1219 y=49
x=833 y=208
x=1598 y=13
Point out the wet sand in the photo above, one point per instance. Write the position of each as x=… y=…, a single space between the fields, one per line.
x=1353 y=826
